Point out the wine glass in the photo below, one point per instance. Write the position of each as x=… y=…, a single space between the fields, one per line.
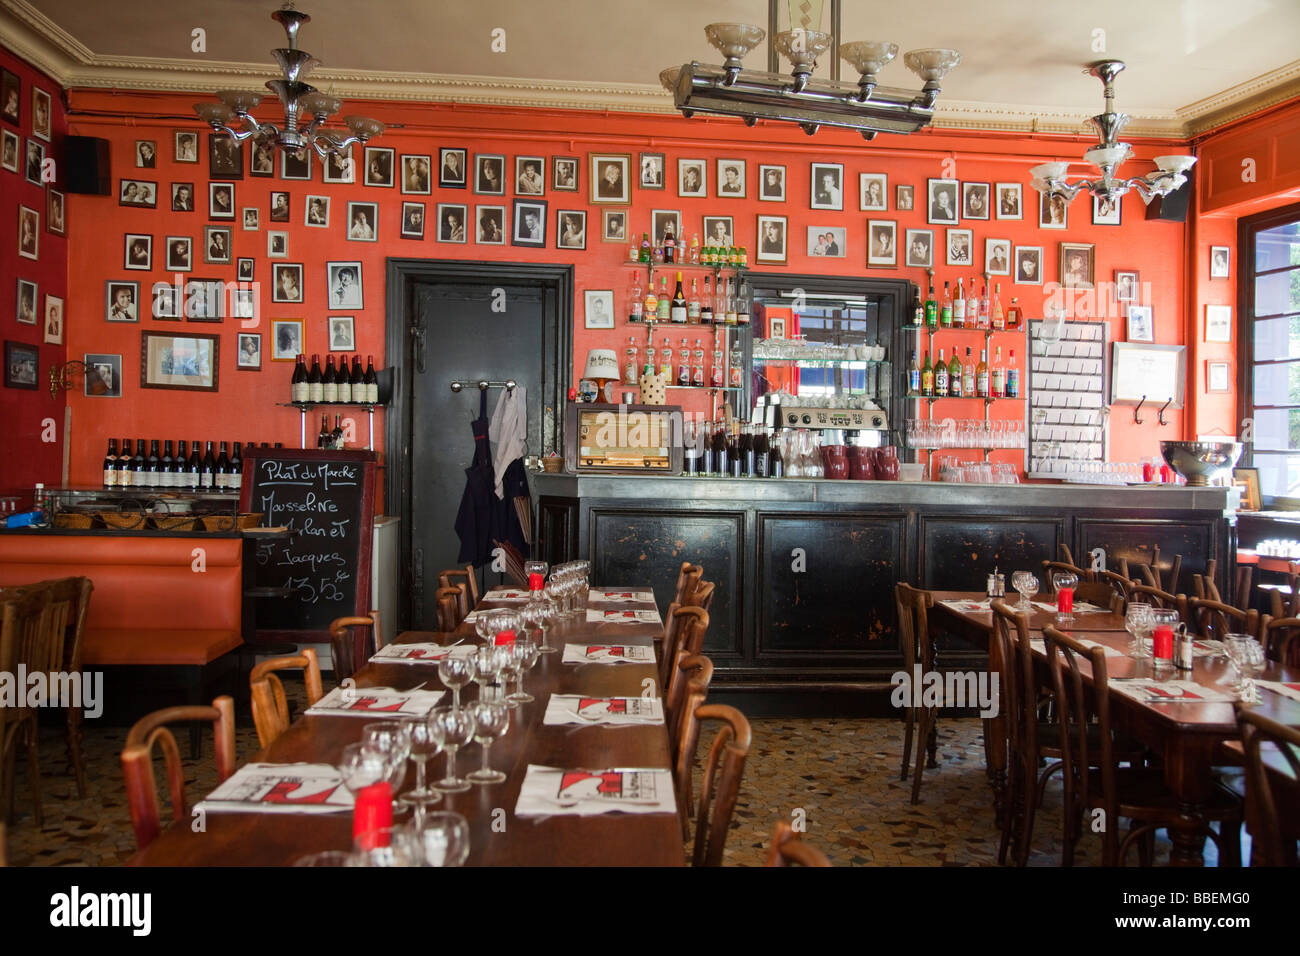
x=392 y=738
x=485 y=625
x=424 y=743
x=491 y=720
x=1246 y=656
x=523 y=656
x=510 y=667
x=443 y=838
x=1026 y=583
x=386 y=846
x=487 y=668
x=453 y=728
x=1139 y=622
x=362 y=765
x=455 y=672
x=1064 y=581
x=545 y=615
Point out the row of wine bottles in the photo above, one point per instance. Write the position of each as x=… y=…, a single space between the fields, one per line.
x=339 y=386
x=177 y=469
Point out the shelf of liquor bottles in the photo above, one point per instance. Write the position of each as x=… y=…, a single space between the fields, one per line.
x=987 y=399
x=987 y=333
x=333 y=437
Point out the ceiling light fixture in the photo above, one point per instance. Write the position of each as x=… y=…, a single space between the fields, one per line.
x=1109 y=154
x=306 y=109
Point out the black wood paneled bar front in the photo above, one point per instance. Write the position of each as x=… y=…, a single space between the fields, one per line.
x=805 y=568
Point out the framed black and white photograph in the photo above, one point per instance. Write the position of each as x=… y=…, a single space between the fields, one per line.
x=166 y=301
x=180 y=254
x=489 y=174
x=974 y=200
x=598 y=312
x=243 y=305
x=920 y=248
x=295 y=164
x=941 y=201
x=610 y=182
x=1106 y=212
x=55 y=219
x=244 y=269
x=826 y=241
x=1126 y=286
x=189 y=361
x=25 y=302
x=286 y=282
x=343 y=337
x=451 y=222
x=571 y=229
x=217 y=242
x=277 y=244
x=731 y=178
x=339 y=167
x=417 y=174
x=412 y=220
x=564 y=174
x=1218 y=323
x=772 y=232
x=452 y=163
x=1029 y=265
x=775 y=327
x=882 y=243
x=121 y=301
x=693 y=179
x=1053 y=212
x=771 y=183
x=22 y=363
x=137 y=192
x=225 y=157
x=379 y=166
x=344 y=285
x=1216 y=376
x=827 y=186
x=279 y=211
x=261 y=161
x=252 y=218
x=490 y=225
x=530 y=175
x=138 y=251
x=719 y=231
x=1220 y=260
x=1008 y=201
x=9 y=151
x=959 y=243
x=318 y=211
x=904 y=198
x=53 y=320
x=29 y=233
x=363 y=221
x=652 y=167
x=221 y=201
x=103 y=375
x=204 y=300
x=613 y=225
x=182 y=197
x=11 y=97
x=665 y=223
x=146 y=154
x=873 y=192
x=530 y=223
x=1077 y=265
x=286 y=340
x=185 y=146
x=40 y=113
x=249 y=354
x=35 y=165
x=997 y=257
x=1141 y=324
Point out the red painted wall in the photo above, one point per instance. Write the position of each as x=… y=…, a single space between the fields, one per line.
x=33 y=446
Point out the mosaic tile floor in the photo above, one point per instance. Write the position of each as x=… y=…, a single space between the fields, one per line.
x=842 y=772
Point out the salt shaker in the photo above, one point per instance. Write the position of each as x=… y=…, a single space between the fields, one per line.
x=1183 y=649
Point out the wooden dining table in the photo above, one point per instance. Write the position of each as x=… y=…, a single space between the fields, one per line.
x=497 y=836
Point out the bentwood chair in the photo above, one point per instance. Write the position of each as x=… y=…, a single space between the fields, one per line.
x=352 y=641
x=270 y=707
x=1146 y=594
x=684 y=629
x=914 y=634
x=787 y=849
x=693 y=675
x=702 y=596
x=27 y=642
x=1215 y=620
x=1094 y=780
x=1019 y=691
x=464 y=577
x=137 y=762
x=1272 y=753
x=720 y=786
x=1281 y=639
x=448 y=603
x=687 y=578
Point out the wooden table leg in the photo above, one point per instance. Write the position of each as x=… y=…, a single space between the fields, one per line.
x=1187 y=837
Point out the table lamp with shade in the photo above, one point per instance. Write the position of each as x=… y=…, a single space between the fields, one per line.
x=602 y=368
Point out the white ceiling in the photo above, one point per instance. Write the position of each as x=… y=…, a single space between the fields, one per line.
x=1188 y=59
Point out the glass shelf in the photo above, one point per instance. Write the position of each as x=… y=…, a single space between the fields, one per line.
x=950 y=328
x=965 y=398
x=689 y=325
x=817 y=363
x=673 y=266
x=370 y=406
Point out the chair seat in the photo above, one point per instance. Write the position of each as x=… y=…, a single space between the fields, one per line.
x=1125 y=750
x=1143 y=795
x=161 y=647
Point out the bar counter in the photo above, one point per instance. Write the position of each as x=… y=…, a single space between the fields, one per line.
x=805 y=568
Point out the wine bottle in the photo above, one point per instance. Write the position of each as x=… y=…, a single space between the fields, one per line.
x=372 y=382
x=677 y=309
x=733 y=312
x=954 y=376
x=139 y=466
x=918 y=310
x=152 y=464
x=645 y=247
x=358 y=382
x=329 y=383
x=123 y=465
x=323 y=439
x=235 y=476
x=315 y=385
x=997 y=321
x=194 y=468
x=165 y=466
x=178 y=466
x=208 y=469
x=221 y=473
x=344 y=381
x=110 y=465
x=298 y=388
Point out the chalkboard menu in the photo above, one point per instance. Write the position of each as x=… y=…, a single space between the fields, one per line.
x=304 y=581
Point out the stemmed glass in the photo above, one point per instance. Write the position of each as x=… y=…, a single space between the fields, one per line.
x=510 y=667
x=1139 y=622
x=361 y=766
x=485 y=625
x=455 y=672
x=1063 y=580
x=386 y=846
x=443 y=838
x=1026 y=583
x=424 y=744
x=535 y=567
x=545 y=615
x=454 y=728
x=491 y=720
x=392 y=738
x=487 y=668
x=523 y=655
x=1163 y=617
x=1246 y=655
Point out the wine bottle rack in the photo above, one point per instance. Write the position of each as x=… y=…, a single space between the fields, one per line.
x=305 y=407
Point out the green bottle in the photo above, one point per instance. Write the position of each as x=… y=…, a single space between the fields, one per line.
x=931 y=308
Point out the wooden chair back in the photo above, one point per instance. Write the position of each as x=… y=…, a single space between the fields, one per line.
x=720 y=787
x=137 y=762
x=787 y=849
x=1083 y=574
x=1118 y=583
x=1286 y=603
x=270 y=707
x=1018 y=689
x=1281 y=639
x=913 y=607
x=25 y=637
x=689 y=670
x=1266 y=741
x=685 y=630
x=352 y=641
x=687 y=578
x=448 y=603
x=1214 y=620
x=462 y=576
x=1100 y=593
x=702 y=596
x=696 y=671
x=74 y=595
x=1146 y=594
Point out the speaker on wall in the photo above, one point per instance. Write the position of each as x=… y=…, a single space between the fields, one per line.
x=1172 y=208
x=86 y=167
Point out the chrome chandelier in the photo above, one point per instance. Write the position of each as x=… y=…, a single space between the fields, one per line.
x=1109 y=154
x=306 y=109
x=866 y=106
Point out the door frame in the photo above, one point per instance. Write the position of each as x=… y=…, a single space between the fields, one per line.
x=404 y=275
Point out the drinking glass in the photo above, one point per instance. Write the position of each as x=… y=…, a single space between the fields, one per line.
x=1139 y=622
x=487 y=668
x=361 y=766
x=392 y=738
x=1062 y=580
x=523 y=656
x=329 y=858
x=1246 y=656
x=1163 y=617
x=454 y=728
x=443 y=838
x=545 y=615
x=424 y=744
x=510 y=665
x=536 y=567
x=455 y=672
x=491 y=720
x=386 y=846
x=485 y=625
x=1027 y=584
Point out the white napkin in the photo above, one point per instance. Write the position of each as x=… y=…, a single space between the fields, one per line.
x=610 y=711
x=596 y=616
x=1285 y=688
x=554 y=791
x=507 y=594
x=281 y=788
x=598 y=653
x=1040 y=646
x=423 y=653
x=968 y=607
x=375 y=702
x=1080 y=607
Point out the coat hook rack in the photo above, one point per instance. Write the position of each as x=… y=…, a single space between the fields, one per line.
x=1136 y=420
x=483 y=385
x=1162 y=411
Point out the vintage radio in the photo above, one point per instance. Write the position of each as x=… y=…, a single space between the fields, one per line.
x=640 y=439
x=842 y=418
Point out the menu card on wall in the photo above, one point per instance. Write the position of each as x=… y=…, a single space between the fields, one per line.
x=1067 y=389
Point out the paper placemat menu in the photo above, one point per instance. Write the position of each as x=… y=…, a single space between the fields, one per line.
x=554 y=791
x=607 y=654
x=609 y=711
x=420 y=653
x=372 y=701
x=596 y=616
x=281 y=788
